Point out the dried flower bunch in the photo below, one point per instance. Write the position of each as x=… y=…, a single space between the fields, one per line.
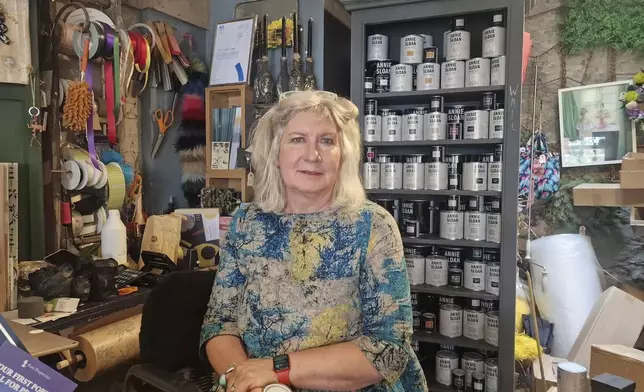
x=633 y=99
x=78 y=107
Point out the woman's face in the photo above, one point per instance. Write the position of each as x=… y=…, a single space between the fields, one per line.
x=309 y=159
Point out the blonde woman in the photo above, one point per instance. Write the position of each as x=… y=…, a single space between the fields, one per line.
x=312 y=290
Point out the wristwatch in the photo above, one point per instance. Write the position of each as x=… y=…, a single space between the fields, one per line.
x=282 y=368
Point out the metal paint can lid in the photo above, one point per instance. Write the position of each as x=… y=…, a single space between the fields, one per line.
x=277 y=388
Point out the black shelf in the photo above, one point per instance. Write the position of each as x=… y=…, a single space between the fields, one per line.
x=453 y=292
x=444 y=142
x=429 y=192
x=461 y=341
x=436 y=240
x=414 y=97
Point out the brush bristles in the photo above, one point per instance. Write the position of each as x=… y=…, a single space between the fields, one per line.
x=78 y=107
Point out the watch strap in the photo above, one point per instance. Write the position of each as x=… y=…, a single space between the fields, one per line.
x=283 y=377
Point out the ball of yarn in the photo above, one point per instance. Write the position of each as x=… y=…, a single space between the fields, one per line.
x=109 y=156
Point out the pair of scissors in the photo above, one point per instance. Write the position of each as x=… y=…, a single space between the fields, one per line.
x=164 y=121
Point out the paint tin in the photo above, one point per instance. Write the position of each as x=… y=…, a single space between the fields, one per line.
x=421 y=250
x=436 y=103
x=428 y=76
x=490 y=255
x=458 y=380
x=476 y=254
x=458 y=41
x=415 y=269
x=380 y=70
x=372 y=128
x=446 y=361
x=453 y=74
x=438 y=154
x=432 y=218
x=435 y=126
x=475 y=175
x=454 y=130
x=428 y=40
x=478 y=382
x=450 y=321
x=491 y=374
x=497 y=122
x=477 y=72
x=371 y=175
x=414 y=171
x=436 y=271
x=451 y=226
x=436 y=176
x=377 y=47
x=455 y=162
x=368 y=84
x=411 y=49
x=472 y=363
x=415 y=319
x=475 y=221
x=430 y=55
x=492 y=328
x=492 y=278
x=473 y=304
x=428 y=322
x=495 y=172
x=455 y=277
x=488 y=102
x=494 y=222
x=455 y=256
x=442 y=300
x=487 y=305
x=414 y=217
x=493 y=43
x=390 y=171
x=415 y=301
x=477 y=124
x=453 y=181
x=370 y=155
x=391 y=126
x=413 y=124
x=474 y=324
x=414 y=76
x=401 y=78
x=371 y=107
x=474 y=275
x=456 y=113
x=497 y=71
x=391 y=205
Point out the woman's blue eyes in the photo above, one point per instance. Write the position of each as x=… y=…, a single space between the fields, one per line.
x=324 y=140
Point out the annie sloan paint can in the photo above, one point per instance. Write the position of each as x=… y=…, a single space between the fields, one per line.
x=475 y=174
x=458 y=379
x=475 y=225
x=492 y=278
x=491 y=375
x=450 y=321
x=390 y=171
x=372 y=126
x=474 y=324
x=436 y=103
x=428 y=40
x=415 y=268
x=446 y=361
x=430 y=55
x=436 y=270
x=453 y=74
x=380 y=70
x=414 y=171
x=477 y=124
x=474 y=275
x=377 y=47
x=435 y=126
x=428 y=322
x=477 y=72
x=436 y=175
x=369 y=82
x=478 y=382
x=401 y=77
x=495 y=171
x=371 y=175
x=451 y=226
x=415 y=320
x=455 y=256
x=472 y=363
x=497 y=122
x=428 y=76
x=412 y=124
x=391 y=125
x=492 y=328
x=458 y=41
x=497 y=71
x=494 y=222
x=455 y=277
x=493 y=43
x=411 y=49
x=414 y=215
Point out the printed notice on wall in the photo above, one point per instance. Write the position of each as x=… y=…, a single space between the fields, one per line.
x=232 y=51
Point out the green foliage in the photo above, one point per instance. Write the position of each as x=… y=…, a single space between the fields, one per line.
x=604 y=24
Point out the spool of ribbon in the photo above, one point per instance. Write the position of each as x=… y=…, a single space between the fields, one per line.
x=110 y=51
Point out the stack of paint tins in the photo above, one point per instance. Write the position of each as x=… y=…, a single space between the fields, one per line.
x=478 y=221
x=379 y=63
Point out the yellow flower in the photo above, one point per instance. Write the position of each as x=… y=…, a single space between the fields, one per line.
x=631 y=96
x=638 y=79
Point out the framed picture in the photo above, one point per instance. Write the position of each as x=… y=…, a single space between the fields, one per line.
x=593 y=125
x=232 y=51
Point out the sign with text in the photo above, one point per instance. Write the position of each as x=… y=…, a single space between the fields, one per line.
x=20 y=372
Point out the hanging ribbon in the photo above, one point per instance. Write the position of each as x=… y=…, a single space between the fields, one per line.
x=89 y=133
x=142 y=59
x=109 y=51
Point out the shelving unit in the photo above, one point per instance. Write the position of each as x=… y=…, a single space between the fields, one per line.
x=433 y=17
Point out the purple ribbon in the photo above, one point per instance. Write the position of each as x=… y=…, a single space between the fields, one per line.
x=108 y=50
x=89 y=133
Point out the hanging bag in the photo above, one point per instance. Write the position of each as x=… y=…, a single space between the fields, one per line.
x=545 y=170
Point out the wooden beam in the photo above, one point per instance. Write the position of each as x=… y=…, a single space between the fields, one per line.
x=196 y=12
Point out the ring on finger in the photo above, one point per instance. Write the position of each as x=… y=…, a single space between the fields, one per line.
x=233 y=388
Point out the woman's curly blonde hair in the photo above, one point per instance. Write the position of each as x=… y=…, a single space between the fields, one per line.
x=270 y=194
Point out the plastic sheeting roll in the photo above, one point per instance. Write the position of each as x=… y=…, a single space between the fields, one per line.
x=567 y=286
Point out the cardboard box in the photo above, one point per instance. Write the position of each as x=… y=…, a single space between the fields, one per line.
x=631 y=176
x=550 y=370
x=619 y=360
x=606 y=195
x=633 y=161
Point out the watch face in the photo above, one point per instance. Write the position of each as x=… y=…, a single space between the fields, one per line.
x=277 y=388
x=281 y=362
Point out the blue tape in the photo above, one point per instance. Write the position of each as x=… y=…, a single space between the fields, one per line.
x=240 y=72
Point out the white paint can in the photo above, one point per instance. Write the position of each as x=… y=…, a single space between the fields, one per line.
x=492 y=278
x=451 y=222
x=472 y=363
x=458 y=41
x=415 y=269
x=401 y=78
x=436 y=176
x=474 y=324
x=491 y=375
x=477 y=73
x=372 y=128
x=435 y=126
x=446 y=361
x=474 y=176
x=492 y=328
x=497 y=123
x=428 y=40
x=391 y=126
x=493 y=43
x=475 y=225
x=377 y=47
x=497 y=71
x=494 y=223
x=428 y=76
x=477 y=124
x=414 y=171
x=495 y=176
x=390 y=172
x=371 y=175
x=411 y=49
x=450 y=321
x=474 y=275
x=453 y=74
x=413 y=124
x=436 y=270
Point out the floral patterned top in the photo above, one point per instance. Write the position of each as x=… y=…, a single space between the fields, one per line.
x=290 y=282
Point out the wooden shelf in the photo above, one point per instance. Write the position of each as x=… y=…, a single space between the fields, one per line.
x=436 y=240
x=453 y=292
x=450 y=94
x=444 y=142
x=461 y=341
x=428 y=192
x=229 y=174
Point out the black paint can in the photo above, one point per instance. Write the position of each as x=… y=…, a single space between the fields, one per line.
x=454 y=182
x=371 y=107
x=391 y=205
x=456 y=113
x=473 y=304
x=455 y=277
x=436 y=104
x=489 y=305
x=458 y=379
x=379 y=71
x=489 y=101
x=370 y=154
x=428 y=322
x=415 y=301
x=418 y=250
x=430 y=55
x=369 y=83
x=415 y=319
x=455 y=256
x=478 y=382
x=491 y=256
x=476 y=253
x=454 y=130
x=414 y=217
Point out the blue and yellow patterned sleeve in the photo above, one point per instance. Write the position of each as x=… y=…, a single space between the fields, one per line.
x=221 y=315
x=385 y=297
